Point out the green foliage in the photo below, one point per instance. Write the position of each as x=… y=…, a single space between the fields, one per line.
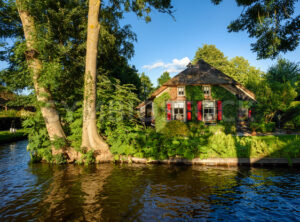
x=88 y=158
x=175 y=128
x=9 y=113
x=203 y=142
x=39 y=143
x=59 y=143
x=229 y=103
x=118 y=104
x=59 y=159
x=284 y=71
x=296 y=122
x=163 y=79
x=160 y=111
x=74 y=131
x=275 y=25
x=262 y=127
x=146 y=87
x=6 y=136
x=237 y=68
x=273 y=97
x=194 y=93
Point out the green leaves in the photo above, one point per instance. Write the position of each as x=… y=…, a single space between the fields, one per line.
x=272 y=22
x=163 y=78
x=237 y=68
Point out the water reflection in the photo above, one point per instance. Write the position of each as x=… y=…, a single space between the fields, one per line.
x=143 y=192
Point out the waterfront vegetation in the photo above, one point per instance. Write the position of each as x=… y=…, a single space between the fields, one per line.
x=6 y=136
x=200 y=141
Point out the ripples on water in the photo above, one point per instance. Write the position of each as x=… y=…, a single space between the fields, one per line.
x=142 y=193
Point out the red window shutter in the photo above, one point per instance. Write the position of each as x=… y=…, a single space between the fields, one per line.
x=219 y=110
x=189 y=106
x=189 y=111
x=169 y=116
x=168 y=106
x=169 y=111
x=189 y=116
x=199 y=110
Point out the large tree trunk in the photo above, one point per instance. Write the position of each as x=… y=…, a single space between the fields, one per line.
x=90 y=136
x=47 y=105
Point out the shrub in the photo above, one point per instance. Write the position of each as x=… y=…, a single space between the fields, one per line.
x=289 y=125
x=296 y=122
x=263 y=127
x=175 y=128
x=270 y=127
x=196 y=129
x=216 y=129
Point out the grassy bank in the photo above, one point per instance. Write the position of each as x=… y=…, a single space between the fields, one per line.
x=6 y=136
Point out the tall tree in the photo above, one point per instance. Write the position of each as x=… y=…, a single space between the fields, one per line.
x=90 y=135
x=272 y=22
x=284 y=71
x=146 y=87
x=163 y=78
x=212 y=55
x=35 y=65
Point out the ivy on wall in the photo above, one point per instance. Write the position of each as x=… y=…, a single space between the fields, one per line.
x=229 y=103
x=194 y=94
x=160 y=111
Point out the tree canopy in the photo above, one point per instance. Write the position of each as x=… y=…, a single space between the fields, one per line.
x=163 y=78
x=273 y=23
x=238 y=67
x=146 y=87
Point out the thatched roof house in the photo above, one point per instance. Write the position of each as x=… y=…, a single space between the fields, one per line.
x=201 y=81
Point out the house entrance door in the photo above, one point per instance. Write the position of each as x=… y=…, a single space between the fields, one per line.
x=209 y=111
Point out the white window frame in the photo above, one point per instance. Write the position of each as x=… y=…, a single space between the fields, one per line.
x=181 y=89
x=207 y=88
x=214 y=107
x=179 y=104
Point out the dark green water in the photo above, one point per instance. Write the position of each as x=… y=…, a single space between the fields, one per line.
x=42 y=192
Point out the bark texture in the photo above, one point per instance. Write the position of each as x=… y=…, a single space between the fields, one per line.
x=35 y=65
x=90 y=136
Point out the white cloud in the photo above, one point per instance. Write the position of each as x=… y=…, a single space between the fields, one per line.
x=154 y=66
x=177 y=65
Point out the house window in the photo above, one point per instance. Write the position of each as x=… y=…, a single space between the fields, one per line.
x=178 y=111
x=209 y=111
x=180 y=91
x=206 y=90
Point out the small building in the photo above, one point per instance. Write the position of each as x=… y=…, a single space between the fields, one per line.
x=200 y=93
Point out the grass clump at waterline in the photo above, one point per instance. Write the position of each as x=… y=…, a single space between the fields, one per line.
x=6 y=136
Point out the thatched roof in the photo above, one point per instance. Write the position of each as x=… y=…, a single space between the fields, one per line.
x=200 y=74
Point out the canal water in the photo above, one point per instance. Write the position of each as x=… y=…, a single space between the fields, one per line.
x=107 y=192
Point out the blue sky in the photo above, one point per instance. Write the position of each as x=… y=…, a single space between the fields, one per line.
x=165 y=44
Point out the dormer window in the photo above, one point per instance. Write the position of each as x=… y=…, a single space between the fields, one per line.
x=206 y=90
x=180 y=91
